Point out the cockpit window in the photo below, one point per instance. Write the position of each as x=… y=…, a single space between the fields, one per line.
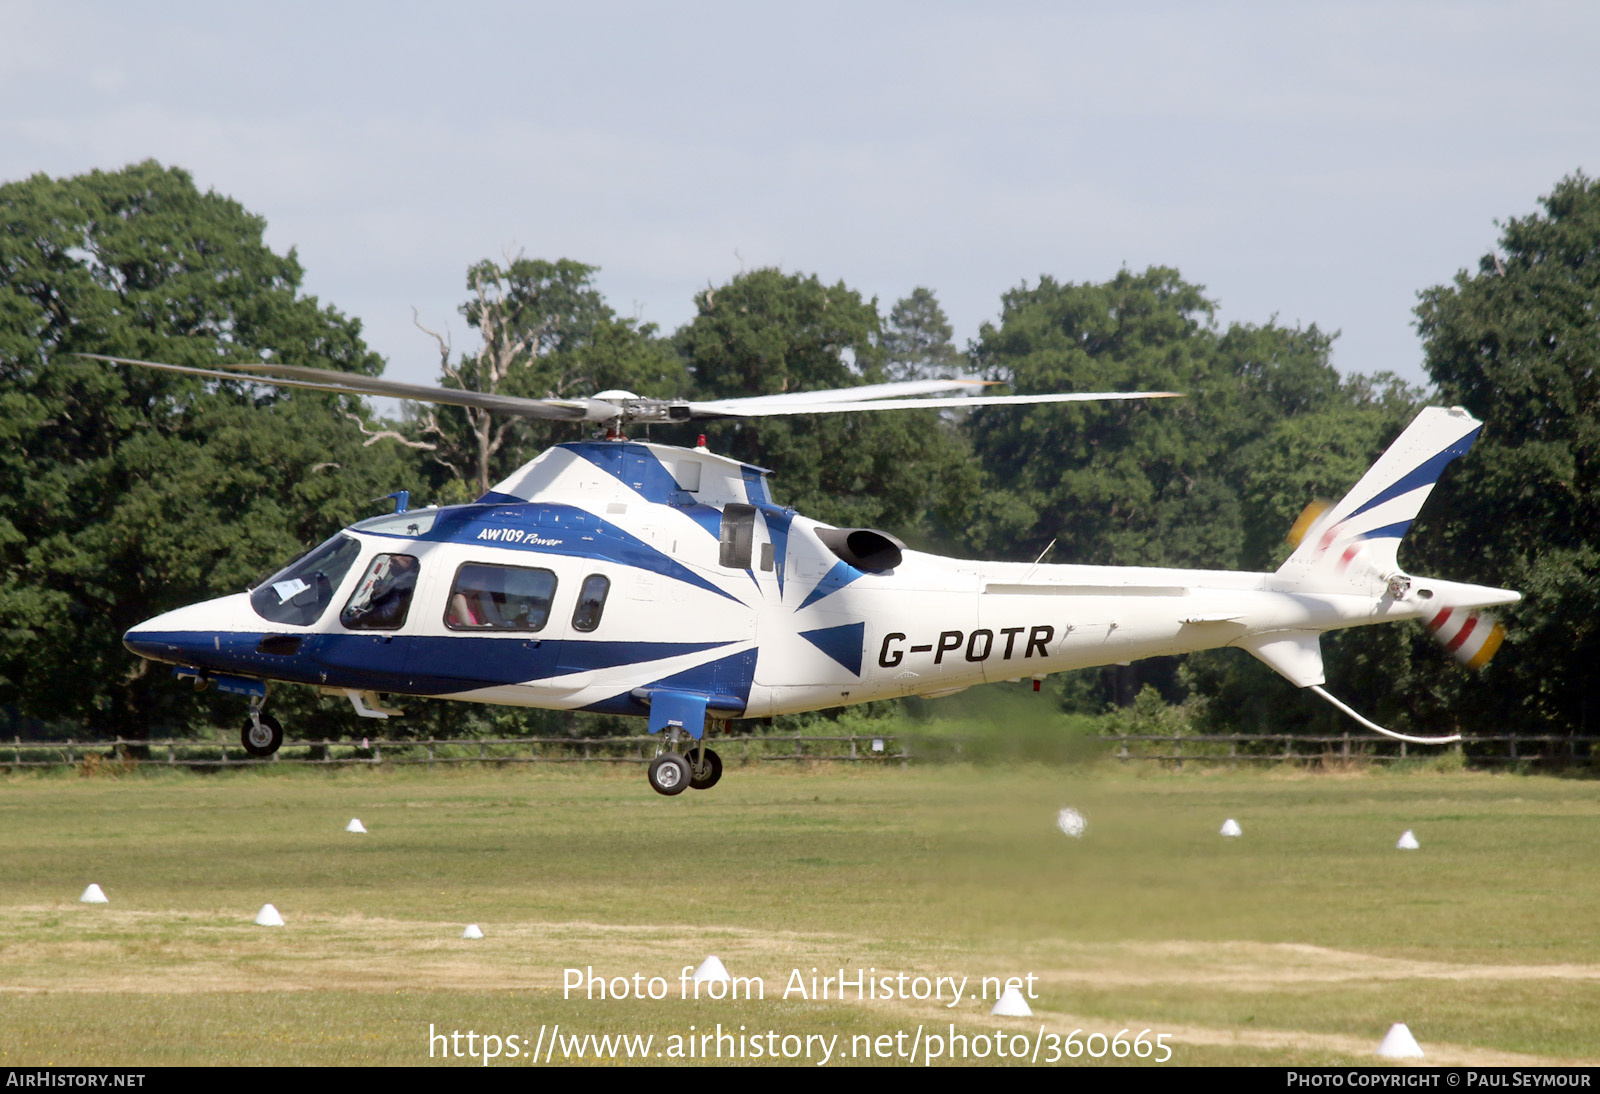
x=499 y=598
x=300 y=592
x=383 y=595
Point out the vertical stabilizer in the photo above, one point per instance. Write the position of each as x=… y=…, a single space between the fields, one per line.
x=1354 y=542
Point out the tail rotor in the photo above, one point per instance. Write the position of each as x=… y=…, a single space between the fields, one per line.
x=1470 y=637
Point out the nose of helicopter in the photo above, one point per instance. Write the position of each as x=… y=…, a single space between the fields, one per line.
x=184 y=635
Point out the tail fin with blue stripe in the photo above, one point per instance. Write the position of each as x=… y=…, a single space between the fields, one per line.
x=1353 y=543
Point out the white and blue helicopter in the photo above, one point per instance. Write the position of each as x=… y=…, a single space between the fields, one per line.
x=633 y=578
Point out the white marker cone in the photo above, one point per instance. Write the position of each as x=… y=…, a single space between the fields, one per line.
x=1071 y=822
x=472 y=931
x=711 y=969
x=355 y=826
x=1408 y=841
x=1011 y=1004
x=268 y=917
x=1230 y=827
x=93 y=895
x=1398 y=1044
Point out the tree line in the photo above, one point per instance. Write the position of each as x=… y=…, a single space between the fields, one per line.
x=127 y=492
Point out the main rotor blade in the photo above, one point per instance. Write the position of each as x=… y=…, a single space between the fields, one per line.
x=346 y=383
x=734 y=408
x=853 y=394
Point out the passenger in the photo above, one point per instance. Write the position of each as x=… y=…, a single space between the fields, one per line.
x=468 y=611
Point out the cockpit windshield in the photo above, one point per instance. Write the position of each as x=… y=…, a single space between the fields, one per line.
x=412 y=522
x=299 y=593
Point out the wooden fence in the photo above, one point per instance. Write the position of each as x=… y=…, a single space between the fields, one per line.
x=202 y=754
x=1175 y=751
x=1170 y=751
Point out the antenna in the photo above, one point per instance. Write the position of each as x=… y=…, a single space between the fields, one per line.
x=1040 y=559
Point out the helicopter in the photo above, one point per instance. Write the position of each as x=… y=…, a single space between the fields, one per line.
x=627 y=577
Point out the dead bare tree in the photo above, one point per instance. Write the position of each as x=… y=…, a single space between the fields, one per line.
x=486 y=371
x=546 y=332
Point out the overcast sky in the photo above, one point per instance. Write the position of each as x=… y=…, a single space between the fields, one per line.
x=1321 y=163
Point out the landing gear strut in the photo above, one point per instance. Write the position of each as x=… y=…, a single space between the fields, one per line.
x=261 y=735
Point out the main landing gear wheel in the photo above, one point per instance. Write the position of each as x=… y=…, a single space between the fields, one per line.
x=261 y=739
x=705 y=768
x=669 y=774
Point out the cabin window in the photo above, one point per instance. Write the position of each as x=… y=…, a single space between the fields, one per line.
x=383 y=596
x=499 y=598
x=738 y=536
x=591 y=602
x=299 y=593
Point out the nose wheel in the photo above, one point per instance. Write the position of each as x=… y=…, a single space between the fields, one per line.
x=261 y=735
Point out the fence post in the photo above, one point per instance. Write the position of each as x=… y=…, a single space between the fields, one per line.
x=1344 y=749
x=1511 y=744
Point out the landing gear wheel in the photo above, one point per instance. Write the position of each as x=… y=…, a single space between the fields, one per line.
x=703 y=773
x=261 y=740
x=669 y=774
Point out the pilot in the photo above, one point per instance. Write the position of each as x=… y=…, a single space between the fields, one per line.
x=389 y=601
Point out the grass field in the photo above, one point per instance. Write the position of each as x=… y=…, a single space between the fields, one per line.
x=1300 y=942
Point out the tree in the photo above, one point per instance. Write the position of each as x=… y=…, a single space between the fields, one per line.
x=916 y=340
x=124 y=493
x=545 y=332
x=767 y=332
x=1212 y=480
x=1518 y=345
x=1131 y=483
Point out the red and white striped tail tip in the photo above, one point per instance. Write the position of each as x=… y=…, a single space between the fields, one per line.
x=1472 y=637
